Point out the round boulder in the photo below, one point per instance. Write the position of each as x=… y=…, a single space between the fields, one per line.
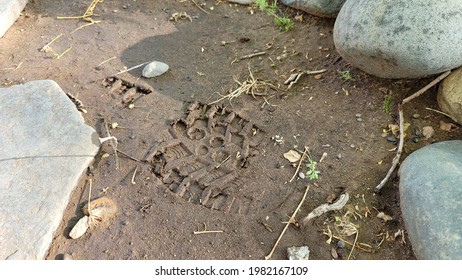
x=321 y=8
x=431 y=200
x=400 y=38
x=450 y=95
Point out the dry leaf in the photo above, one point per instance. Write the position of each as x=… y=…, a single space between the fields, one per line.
x=80 y=228
x=384 y=217
x=447 y=126
x=428 y=132
x=102 y=208
x=292 y=156
x=394 y=128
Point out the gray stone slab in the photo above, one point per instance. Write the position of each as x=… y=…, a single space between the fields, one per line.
x=45 y=148
x=431 y=200
x=9 y=13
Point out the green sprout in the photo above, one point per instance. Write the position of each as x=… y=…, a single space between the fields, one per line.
x=387 y=102
x=312 y=172
x=346 y=75
x=284 y=23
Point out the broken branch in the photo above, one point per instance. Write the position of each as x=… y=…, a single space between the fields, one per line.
x=291 y=220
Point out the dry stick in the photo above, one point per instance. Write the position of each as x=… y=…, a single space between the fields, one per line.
x=51 y=42
x=85 y=25
x=401 y=129
x=129 y=69
x=134 y=174
x=199 y=7
x=291 y=220
x=299 y=164
x=112 y=145
x=252 y=55
x=130 y=157
x=442 y=113
x=89 y=196
x=207 y=231
x=399 y=151
x=354 y=244
x=425 y=88
x=107 y=60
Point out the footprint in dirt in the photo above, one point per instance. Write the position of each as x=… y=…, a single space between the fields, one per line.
x=206 y=159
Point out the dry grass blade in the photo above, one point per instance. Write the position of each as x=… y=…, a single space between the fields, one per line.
x=88 y=13
x=251 y=86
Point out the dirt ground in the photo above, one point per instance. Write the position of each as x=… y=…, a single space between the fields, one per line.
x=194 y=180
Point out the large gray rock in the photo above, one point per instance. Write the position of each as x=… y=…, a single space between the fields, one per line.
x=431 y=200
x=400 y=38
x=9 y=12
x=45 y=147
x=322 y=8
x=450 y=95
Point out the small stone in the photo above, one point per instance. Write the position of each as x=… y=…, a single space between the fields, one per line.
x=392 y=139
x=298 y=253
x=352 y=146
x=154 y=69
x=417 y=132
x=359 y=119
x=427 y=132
x=67 y=257
x=415 y=139
x=415 y=116
x=317 y=77
x=339 y=156
x=301 y=175
x=341 y=244
x=358 y=115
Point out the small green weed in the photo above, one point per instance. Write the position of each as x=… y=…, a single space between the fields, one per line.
x=346 y=75
x=282 y=22
x=387 y=102
x=312 y=172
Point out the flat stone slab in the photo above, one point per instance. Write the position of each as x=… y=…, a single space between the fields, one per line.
x=9 y=13
x=46 y=146
x=431 y=200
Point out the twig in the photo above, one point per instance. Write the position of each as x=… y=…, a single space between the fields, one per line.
x=425 y=88
x=45 y=48
x=61 y=55
x=291 y=220
x=13 y=68
x=89 y=196
x=134 y=174
x=358 y=246
x=85 y=25
x=207 y=231
x=107 y=60
x=354 y=244
x=398 y=152
x=401 y=126
x=252 y=55
x=199 y=7
x=129 y=69
x=130 y=157
x=299 y=164
x=114 y=147
x=442 y=113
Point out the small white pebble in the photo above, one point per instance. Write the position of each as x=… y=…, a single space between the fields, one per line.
x=301 y=175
